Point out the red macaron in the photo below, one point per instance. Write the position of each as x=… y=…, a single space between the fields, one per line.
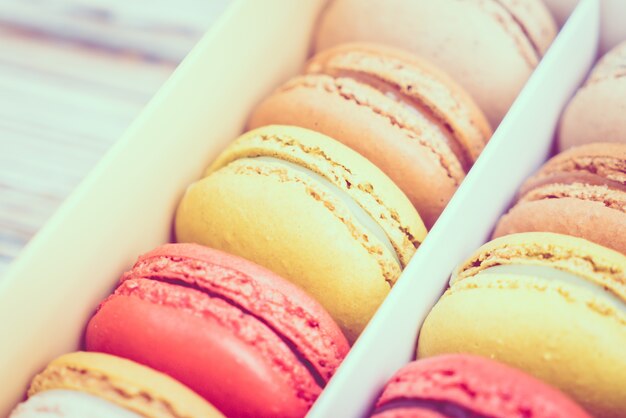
x=466 y=386
x=251 y=343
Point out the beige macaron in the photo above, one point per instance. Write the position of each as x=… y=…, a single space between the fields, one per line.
x=310 y=209
x=406 y=116
x=598 y=110
x=580 y=192
x=490 y=47
x=130 y=385
x=549 y=304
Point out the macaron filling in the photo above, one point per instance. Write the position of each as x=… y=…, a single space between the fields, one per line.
x=555 y=274
x=363 y=217
x=446 y=408
x=70 y=404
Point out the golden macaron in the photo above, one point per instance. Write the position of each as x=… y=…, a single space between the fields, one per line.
x=87 y=378
x=549 y=304
x=310 y=209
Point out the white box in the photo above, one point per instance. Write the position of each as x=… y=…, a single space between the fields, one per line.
x=125 y=206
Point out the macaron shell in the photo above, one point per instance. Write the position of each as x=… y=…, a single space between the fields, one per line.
x=535 y=18
x=610 y=65
x=123 y=382
x=597 y=264
x=429 y=177
x=349 y=171
x=488 y=54
x=590 y=220
x=202 y=353
x=435 y=93
x=559 y=333
x=260 y=218
x=580 y=185
x=604 y=160
x=596 y=111
x=280 y=305
x=456 y=383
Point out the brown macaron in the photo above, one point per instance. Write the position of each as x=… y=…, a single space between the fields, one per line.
x=598 y=109
x=407 y=117
x=490 y=47
x=580 y=192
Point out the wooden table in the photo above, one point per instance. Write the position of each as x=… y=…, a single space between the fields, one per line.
x=73 y=75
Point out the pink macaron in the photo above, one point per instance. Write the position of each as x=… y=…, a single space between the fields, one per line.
x=248 y=341
x=461 y=385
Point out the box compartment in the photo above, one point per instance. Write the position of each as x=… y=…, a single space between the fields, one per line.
x=126 y=205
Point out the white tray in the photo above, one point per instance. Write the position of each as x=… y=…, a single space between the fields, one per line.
x=125 y=206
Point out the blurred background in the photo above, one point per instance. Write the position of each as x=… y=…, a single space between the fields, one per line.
x=73 y=75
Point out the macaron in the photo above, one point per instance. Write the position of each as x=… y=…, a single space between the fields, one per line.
x=489 y=47
x=397 y=110
x=551 y=305
x=580 y=192
x=462 y=385
x=248 y=341
x=310 y=209
x=98 y=385
x=596 y=112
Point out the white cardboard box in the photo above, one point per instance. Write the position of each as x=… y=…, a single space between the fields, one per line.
x=125 y=206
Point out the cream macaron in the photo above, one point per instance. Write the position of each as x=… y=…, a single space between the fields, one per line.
x=397 y=110
x=549 y=304
x=490 y=47
x=596 y=112
x=310 y=209
x=85 y=384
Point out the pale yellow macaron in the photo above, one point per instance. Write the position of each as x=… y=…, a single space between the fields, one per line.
x=310 y=209
x=97 y=384
x=552 y=305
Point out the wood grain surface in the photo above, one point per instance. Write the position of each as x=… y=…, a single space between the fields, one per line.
x=73 y=75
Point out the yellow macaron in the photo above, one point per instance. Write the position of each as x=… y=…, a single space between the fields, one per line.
x=550 y=304
x=97 y=384
x=310 y=209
